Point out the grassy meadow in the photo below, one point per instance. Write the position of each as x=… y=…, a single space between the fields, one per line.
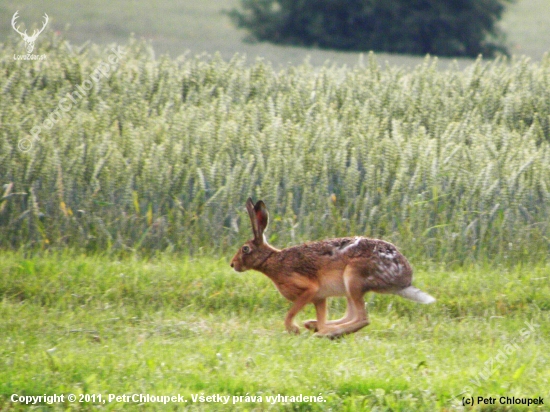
x=119 y=216
x=165 y=326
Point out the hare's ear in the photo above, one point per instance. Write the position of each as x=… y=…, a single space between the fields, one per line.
x=262 y=216
x=252 y=214
x=258 y=217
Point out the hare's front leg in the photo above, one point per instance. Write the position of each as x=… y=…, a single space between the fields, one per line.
x=321 y=311
x=302 y=300
x=355 y=289
x=313 y=325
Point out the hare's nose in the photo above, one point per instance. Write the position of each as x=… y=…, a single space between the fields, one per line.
x=232 y=264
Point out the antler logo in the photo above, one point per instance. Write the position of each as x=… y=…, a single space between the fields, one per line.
x=29 y=40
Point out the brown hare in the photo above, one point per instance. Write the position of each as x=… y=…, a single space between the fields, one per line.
x=312 y=272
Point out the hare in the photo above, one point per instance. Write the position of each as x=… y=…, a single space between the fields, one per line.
x=312 y=272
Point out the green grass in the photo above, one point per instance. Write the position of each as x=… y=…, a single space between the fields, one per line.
x=179 y=325
x=198 y=27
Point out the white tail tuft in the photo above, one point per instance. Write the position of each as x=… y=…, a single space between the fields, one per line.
x=415 y=294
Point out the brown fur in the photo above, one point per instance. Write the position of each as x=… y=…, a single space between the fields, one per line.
x=311 y=272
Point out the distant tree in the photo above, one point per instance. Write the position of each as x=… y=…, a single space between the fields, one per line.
x=438 y=27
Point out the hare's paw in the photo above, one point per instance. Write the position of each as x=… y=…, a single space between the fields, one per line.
x=311 y=325
x=293 y=329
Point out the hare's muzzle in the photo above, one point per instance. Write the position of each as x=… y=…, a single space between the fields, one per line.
x=236 y=265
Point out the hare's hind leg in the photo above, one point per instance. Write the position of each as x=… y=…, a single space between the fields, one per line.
x=355 y=286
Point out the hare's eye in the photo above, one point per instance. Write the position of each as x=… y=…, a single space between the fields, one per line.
x=246 y=249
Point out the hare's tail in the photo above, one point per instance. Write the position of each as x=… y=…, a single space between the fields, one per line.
x=415 y=294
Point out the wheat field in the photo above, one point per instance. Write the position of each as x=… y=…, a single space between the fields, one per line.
x=160 y=154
